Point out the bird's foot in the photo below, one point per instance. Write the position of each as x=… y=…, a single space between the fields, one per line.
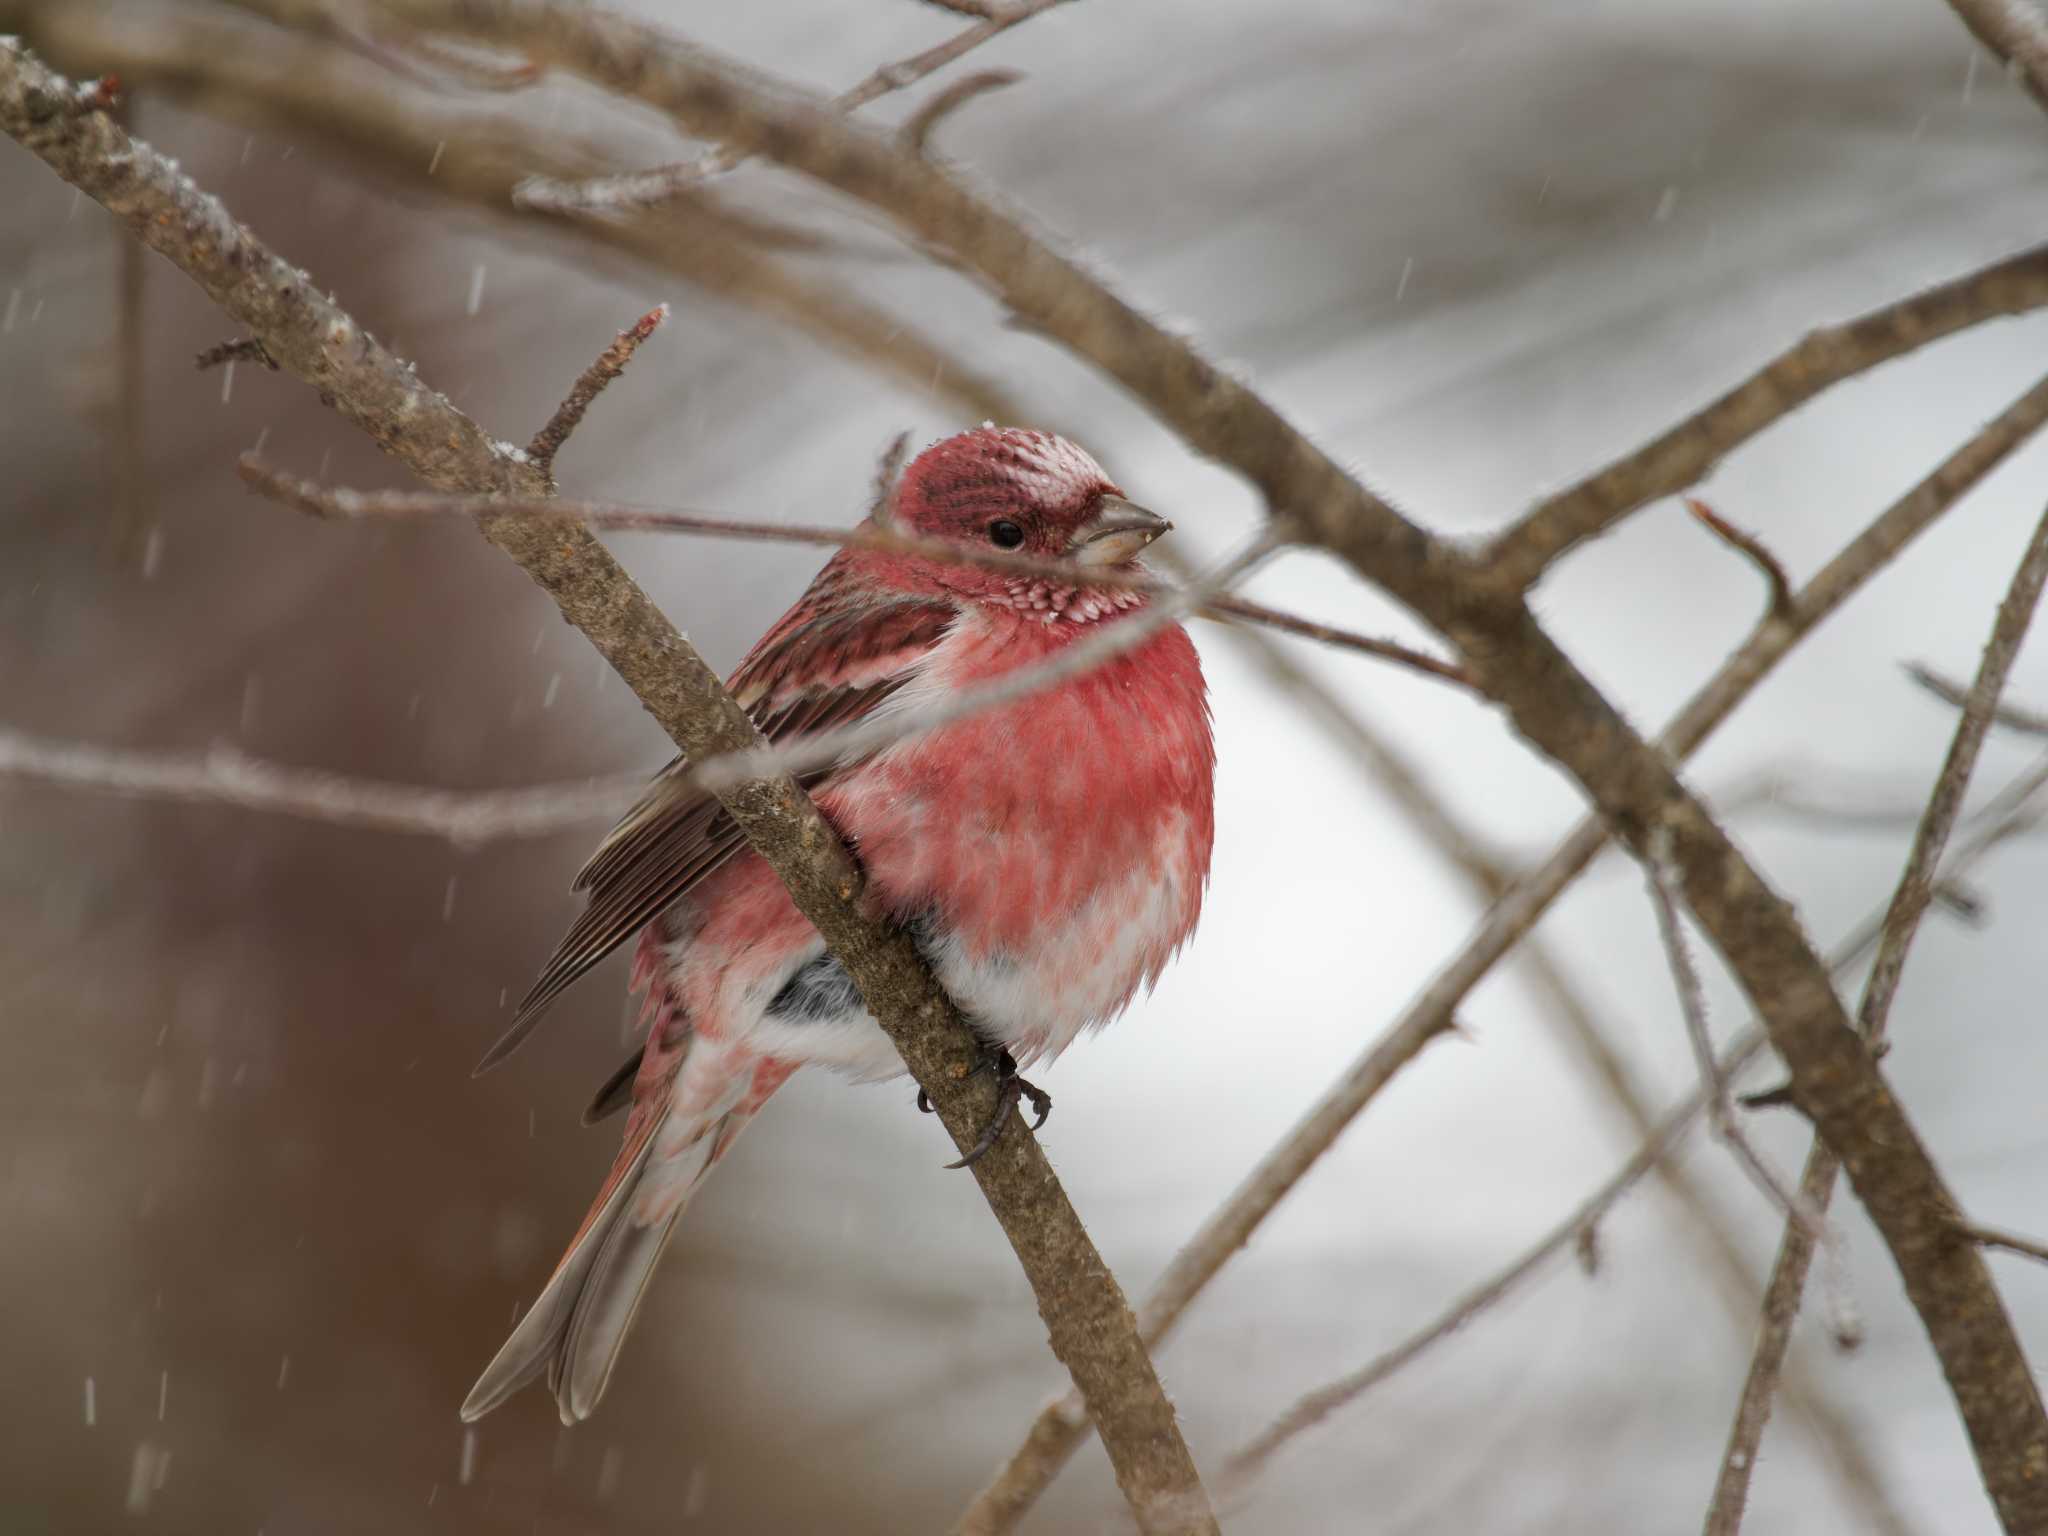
x=1011 y=1090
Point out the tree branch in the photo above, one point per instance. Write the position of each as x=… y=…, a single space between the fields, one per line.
x=2028 y=722
x=1682 y=456
x=223 y=775
x=1662 y=876
x=611 y=362
x=2011 y=1242
x=611 y=194
x=319 y=500
x=1089 y=1324
x=2015 y=32
x=1902 y=920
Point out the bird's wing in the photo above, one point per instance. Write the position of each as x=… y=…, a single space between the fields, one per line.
x=831 y=659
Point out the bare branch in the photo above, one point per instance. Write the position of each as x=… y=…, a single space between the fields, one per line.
x=589 y=385
x=883 y=497
x=917 y=129
x=1673 y=460
x=1089 y=1323
x=1916 y=885
x=1753 y=548
x=2027 y=722
x=2011 y=1242
x=611 y=195
x=1662 y=877
x=337 y=502
x=223 y=775
x=1329 y=634
x=1054 y=1434
x=1909 y=903
x=2016 y=33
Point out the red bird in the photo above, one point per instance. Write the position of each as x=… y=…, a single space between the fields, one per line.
x=1048 y=855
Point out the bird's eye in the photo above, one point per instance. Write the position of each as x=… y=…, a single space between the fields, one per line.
x=1005 y=534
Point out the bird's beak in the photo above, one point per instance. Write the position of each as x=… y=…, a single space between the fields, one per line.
x=1116 y=533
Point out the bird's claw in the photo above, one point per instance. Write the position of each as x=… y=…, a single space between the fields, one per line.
x=1011 y=1090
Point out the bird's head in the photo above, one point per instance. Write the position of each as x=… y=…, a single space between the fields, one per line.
x=1026 y=492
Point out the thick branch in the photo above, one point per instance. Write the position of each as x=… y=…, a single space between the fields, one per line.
x=2015 y=32
x=1090 y=1325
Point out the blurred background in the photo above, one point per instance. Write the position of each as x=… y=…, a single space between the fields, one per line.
x=259 y=1229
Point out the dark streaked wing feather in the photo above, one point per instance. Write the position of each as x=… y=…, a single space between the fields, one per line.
x=835 y=656
x=617 y=1091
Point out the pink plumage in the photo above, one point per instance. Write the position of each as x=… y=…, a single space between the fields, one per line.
x=1048 y=855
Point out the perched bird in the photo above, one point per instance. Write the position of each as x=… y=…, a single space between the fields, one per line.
x=1048 y=856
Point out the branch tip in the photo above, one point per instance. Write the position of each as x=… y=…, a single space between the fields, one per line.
x=1751 y=547
x=589 y=385
x=917 y=130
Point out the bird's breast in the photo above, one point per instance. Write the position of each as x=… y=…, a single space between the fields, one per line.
x=1053 y=849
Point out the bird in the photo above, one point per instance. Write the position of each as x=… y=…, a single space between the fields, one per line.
x=1048 y=856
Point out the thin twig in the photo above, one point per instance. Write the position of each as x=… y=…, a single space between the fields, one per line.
x=2011 y=1242
x=226 y=776
x=1902 y=919
x=1754 y=548
x=319 y=500
x=1345 y=639
x=2016 y=33
x=1682 y=456
x=882 y=495
x=2028 y=722
x=1059 y=1427
x=917 y=128
x=547 y=442
x=611 y=195
x=1662 y=876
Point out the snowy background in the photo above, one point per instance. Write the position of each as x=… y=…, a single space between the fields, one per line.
x=259 y=1229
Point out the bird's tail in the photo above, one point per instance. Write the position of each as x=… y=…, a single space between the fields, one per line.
x=575 y=1328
